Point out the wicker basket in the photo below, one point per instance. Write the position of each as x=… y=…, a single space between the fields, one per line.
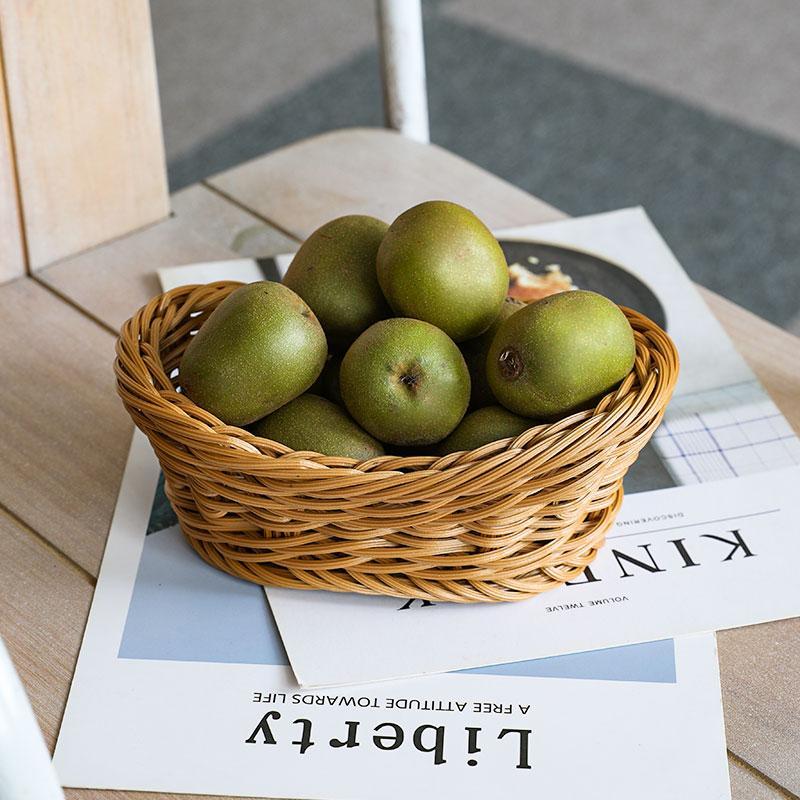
x=503 y=522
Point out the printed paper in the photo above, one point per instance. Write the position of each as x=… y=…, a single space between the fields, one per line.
x=182 y=685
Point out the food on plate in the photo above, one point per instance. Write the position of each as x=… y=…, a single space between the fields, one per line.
x=529 y=286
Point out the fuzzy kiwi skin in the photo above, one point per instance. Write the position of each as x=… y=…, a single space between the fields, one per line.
x=327 y=385
x=439 y=263
x=313 y=423
x=261 y=347
x=476 y=350
x=482 y=426
x=560 y=354
x=334 y=272
x=405 y=382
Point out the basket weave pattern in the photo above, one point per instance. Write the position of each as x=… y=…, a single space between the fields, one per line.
x=503 y=522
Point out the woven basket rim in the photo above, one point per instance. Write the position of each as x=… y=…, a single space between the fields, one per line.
x=385 y=465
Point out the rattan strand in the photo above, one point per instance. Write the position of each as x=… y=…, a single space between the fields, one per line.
x=504 y=522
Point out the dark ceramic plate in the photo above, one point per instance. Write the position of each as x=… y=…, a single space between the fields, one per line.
x=590 y=272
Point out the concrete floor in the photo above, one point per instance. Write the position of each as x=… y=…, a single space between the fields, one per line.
x=686 y=107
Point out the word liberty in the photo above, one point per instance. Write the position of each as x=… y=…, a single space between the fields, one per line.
x=388 y=736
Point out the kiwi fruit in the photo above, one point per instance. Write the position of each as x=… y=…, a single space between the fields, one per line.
x=482 y=426
x=439 y=263
x=405 y=382
x=560 y=354
x=313 y=423
x=261 y=347
x=334 y=272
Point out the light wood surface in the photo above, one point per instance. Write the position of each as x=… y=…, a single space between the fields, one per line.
x=369 y=171
x=747 y=784
x=760 y=673
x=111 y=281
x=772 y=353
x=218 y=220
x=61 y=478
x=86 y=121
x=43 y=606
x=65 y=437
x=12 y=254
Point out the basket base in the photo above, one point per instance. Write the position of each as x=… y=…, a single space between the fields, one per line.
x=309 y=573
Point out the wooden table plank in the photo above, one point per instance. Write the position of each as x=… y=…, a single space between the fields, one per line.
x=43 y=608
x=65 y=433
x=370 y=171
x=43 y=630
x=760 y=674
x=746 y=784
x=218 y=220
x=111 y=281
x=772 y=353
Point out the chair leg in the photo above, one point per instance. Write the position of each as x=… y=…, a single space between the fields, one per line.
x=402 y=51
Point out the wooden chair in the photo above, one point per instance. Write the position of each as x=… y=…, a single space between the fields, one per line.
x=86 y=218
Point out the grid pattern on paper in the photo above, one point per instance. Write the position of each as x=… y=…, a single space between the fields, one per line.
x=725 y=433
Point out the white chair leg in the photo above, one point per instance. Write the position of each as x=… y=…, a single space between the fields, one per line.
x=402 y=50
x=26 y=772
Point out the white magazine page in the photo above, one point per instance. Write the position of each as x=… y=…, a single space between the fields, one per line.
x=710 y=507
x=183 y=685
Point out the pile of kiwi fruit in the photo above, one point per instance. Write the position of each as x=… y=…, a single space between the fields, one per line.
x=401 y=339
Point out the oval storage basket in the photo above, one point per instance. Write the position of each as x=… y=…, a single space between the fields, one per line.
x=503 y=522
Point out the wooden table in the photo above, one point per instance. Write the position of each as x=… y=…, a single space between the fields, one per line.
x=65 y=435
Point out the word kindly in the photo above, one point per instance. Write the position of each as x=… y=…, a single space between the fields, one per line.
x=389 y=736
x=707 y=547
